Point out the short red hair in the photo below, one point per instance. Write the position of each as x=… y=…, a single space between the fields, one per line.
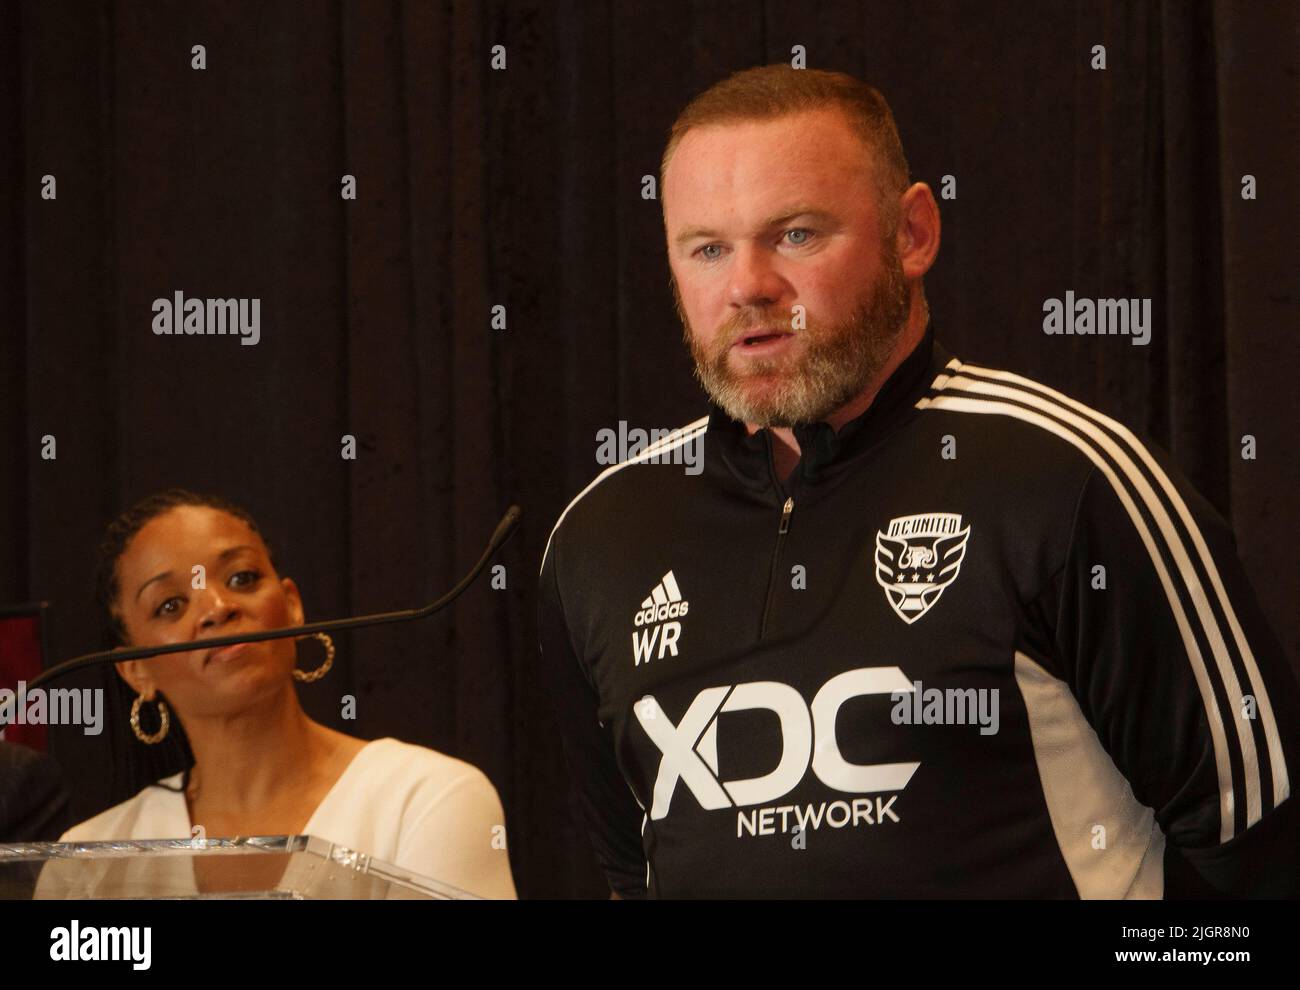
x=771 y=91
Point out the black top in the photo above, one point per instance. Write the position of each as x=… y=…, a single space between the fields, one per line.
x=33 y=798
x=986 y=643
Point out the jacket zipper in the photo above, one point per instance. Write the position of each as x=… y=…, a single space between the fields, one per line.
x=781 y=530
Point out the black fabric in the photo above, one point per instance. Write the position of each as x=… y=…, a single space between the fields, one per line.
x=1264 y=861
x=522 y=188
x=1057 y=570
x=33 y=797
x=822 y=449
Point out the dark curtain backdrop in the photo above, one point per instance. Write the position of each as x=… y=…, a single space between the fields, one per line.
x=522 y=188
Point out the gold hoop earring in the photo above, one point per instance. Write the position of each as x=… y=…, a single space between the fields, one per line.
x=323 y=669
x=163 y=716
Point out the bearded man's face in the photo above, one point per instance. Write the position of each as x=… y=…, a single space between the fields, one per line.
x=799 y=375
x=786 y=277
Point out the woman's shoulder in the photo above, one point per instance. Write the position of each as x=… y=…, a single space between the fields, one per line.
x=433 y=814
x=390 y=763
x=150 y=811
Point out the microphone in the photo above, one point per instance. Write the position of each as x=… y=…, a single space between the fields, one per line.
x=505 y=528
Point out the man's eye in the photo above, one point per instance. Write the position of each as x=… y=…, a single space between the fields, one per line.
x=707 y=247
x=251 y=576
x=808 y=235
x=164 y=610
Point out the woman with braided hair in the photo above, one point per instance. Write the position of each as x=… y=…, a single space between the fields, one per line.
x=179 y=566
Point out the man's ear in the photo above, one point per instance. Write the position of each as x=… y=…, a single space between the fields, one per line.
x=296 y=614
x=918 y=230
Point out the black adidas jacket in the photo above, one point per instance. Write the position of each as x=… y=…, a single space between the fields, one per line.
x=986 y=643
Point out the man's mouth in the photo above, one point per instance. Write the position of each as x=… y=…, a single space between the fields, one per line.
x=763 y=338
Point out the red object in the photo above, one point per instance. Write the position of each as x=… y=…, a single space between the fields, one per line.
x=21 y=648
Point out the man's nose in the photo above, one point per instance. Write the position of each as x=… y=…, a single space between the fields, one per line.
x=754 y=280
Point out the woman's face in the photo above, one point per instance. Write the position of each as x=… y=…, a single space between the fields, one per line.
x=163 y=597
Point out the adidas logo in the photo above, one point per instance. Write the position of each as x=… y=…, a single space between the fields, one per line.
x=665 y=602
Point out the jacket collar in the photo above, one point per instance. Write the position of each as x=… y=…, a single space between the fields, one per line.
x=824 y=452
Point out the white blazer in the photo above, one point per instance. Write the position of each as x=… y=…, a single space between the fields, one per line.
x=411 y=806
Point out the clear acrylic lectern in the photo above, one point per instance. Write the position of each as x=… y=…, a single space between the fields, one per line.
x=281 y=867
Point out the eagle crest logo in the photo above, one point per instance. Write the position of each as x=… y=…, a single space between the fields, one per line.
x=917 y=557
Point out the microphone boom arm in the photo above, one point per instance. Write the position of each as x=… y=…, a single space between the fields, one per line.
x=503 y=532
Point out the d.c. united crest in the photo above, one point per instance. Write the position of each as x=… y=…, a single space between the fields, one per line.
x=917 y=557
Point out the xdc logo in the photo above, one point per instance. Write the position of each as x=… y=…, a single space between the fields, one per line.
x=690 y=748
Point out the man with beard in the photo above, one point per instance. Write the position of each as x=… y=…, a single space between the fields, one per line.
x=843 y=660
